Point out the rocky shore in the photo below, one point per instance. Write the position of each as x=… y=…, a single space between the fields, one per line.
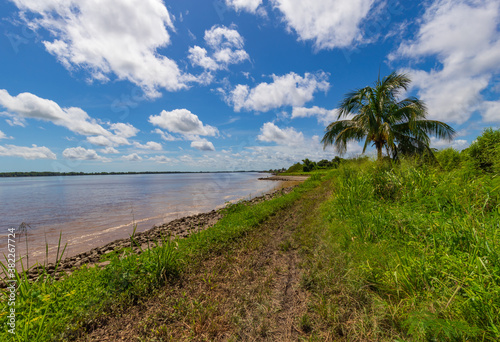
x=286 y=178
x=180 y=228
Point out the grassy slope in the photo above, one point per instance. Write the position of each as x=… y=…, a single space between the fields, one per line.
x=409 y=253
x=370 y=253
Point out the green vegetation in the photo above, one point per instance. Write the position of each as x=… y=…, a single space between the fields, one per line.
x=404 y=250
x=47 y=309
x=378 y=116
x=409 y=251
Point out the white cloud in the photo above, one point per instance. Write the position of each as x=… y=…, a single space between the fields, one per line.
x=29 y=106
x=4 y=136
x=161 y=159
x=468 y=54
x=124 y=130
x=288 y=90
x=203 y=145
x=227 y=48
x=182 y=121
x=198 y=56
x=132 y=157
x=328 y=23
x=110 y=37
x=110 y=140
x=491 y=111
x=25 y=152
x=150 y=145
x=457 y=144
x=244 y=5
x=165 y=136
x=80 y=153
x=287 y=136
x=109 y=150
x=324 y=116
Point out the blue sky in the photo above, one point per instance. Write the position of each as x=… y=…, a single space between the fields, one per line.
x=136 y=85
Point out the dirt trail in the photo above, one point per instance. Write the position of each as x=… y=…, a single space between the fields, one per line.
x=251 y=292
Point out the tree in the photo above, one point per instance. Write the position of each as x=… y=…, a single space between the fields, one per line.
x=308 y=165
x=378 y=116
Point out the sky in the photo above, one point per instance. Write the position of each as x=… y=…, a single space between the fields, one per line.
x=152 y=85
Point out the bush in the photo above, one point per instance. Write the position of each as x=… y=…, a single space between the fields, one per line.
x=297 y=167
x=484 y=152
x=449 y=158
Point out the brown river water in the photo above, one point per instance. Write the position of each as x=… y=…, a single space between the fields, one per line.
x=90 y=211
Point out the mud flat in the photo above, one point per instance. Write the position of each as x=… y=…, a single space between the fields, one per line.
x=286 y=178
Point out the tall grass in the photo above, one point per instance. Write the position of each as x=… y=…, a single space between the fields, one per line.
x=426 y=244
x=47 y=309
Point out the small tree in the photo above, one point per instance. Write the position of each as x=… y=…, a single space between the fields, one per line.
x=308 y=165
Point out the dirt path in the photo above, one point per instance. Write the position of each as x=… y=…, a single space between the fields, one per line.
x=251 y=292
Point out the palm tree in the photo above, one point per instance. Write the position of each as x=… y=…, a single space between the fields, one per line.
x=376 y=115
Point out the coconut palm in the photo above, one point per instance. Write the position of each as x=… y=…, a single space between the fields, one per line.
x=378 y=116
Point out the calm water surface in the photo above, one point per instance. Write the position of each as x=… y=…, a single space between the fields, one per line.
x=93 y=210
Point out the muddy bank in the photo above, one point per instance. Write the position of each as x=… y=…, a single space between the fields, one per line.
x=286 y=178
x=180 y=228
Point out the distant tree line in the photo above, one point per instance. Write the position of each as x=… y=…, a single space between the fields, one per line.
x=50 y=173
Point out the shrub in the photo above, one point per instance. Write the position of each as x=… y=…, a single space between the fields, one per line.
x=449 y=158
x=484 y=152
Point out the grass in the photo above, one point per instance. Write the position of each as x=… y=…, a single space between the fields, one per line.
x=406 y=252
x=51 y=310
x=402 y=252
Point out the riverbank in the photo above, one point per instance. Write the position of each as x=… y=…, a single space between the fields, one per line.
x=50 y=309
x=139 y=242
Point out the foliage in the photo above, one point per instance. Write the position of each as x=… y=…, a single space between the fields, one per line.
x=449 y=158
x=484 y=152
x=376 y=115
x=297 y=167
x=309 y=165
x=423 y=243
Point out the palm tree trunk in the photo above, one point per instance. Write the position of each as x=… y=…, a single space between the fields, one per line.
x=379 y=151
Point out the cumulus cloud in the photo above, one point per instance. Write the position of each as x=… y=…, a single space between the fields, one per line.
x=132 y=157
x=33 y=152
x=110 y=140
x=80 y=153
x=226 y=45
x=468 y=56
x=161 y=159
x=124 y=130
x=109 y=150
x=287 y=136
x=29 y=106
x=111 y=37
x=244 y=5
x=3 y=136
x=182 y=121
x=491 y=111
x=457 y=144
x=324 y=116
x=287 y=90
x=202 y=145
x=150 y=145
x=328 y=23
x=165 y=136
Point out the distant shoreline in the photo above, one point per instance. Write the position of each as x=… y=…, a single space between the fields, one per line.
x=55 y=174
